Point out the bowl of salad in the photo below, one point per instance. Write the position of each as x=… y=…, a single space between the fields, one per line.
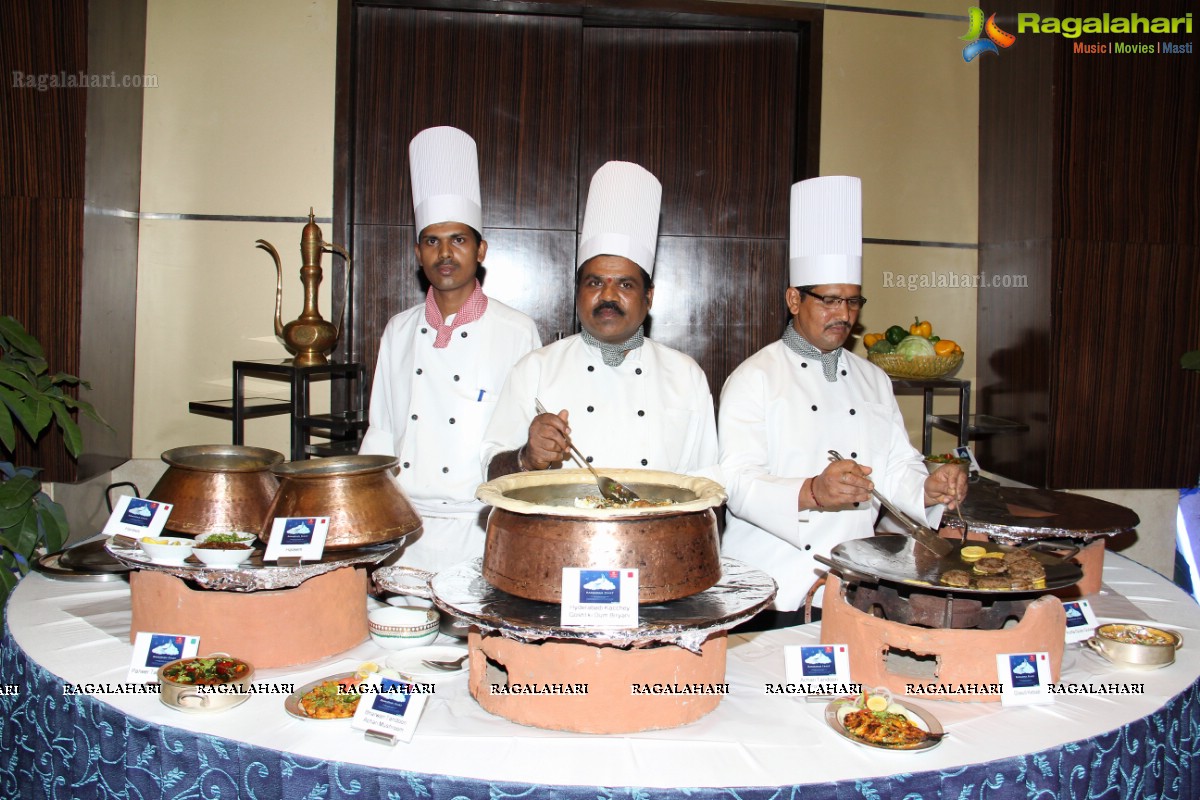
x=215 y=682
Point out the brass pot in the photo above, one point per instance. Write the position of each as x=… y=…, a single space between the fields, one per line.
x=217 y=488
x=535 y=530
x=359 y=494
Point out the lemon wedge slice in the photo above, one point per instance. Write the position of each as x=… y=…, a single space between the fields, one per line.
x=877 y=702
x=972 y=553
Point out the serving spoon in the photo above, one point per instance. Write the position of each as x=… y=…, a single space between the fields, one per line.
x=612 y=490
x=448 y=666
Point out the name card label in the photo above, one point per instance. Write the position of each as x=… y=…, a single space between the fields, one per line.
x=814 y=668
x=136 y=517
x=1024 y=678
x=600 y=598
x=387 y=710
x=297 y=537
x=152 y=650
x=1081 y=620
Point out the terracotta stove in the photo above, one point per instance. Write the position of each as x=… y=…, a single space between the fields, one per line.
x=902 y=637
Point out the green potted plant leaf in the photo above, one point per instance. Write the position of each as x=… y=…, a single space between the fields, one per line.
x=1190 y=360
x=31 y=397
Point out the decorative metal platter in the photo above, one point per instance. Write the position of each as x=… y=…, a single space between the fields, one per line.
x=291 y=703
x=83 y=562
x=1013 y=514
x=741 y=593
x=253 y=575
x=835 y=718
x=899 y=560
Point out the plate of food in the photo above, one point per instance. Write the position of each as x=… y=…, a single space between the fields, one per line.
x=874 y=719
x=324 y=699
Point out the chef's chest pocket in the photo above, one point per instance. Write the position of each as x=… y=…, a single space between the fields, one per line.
x=673 y=433
x=471 y=405
x=873 y=431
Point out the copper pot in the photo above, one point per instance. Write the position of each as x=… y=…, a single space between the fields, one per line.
x=535 y=529
x=359 y=494
x=217 y=488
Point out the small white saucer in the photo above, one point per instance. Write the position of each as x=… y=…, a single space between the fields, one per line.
x=408 y=662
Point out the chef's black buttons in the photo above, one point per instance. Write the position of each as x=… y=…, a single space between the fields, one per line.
x=463 y=334
x=591 y=368
x=853 y=454
x=455 y=377
x=843 y=373
x=452 y=420
x=808 y=547
x=418 y=370
x=591 y=409
x=856 y=505
x=644 y=462
x=803 y=365
x=406 y=465
x=853 y=412
x=814 y=408
x=641 y=413
x=414 y=416
x=638 y=371
x=445 y=469
x=424 y=330
x=588 y=459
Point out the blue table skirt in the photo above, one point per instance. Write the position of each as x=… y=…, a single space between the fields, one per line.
x=78 y=748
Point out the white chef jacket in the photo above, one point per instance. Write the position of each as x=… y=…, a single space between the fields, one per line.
x=654 y=410
x=429 y=407
x=779 y=419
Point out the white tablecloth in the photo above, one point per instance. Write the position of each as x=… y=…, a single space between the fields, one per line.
x=79 y=631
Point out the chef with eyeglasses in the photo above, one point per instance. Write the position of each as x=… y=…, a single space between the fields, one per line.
x=442 y=363
x=789 y=404
x=624 y=400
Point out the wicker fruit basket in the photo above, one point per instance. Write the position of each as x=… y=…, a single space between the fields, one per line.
x=916 y=367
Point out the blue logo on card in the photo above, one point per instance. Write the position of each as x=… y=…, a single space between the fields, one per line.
x=817 y=661
x=163 y=650
x=139 y=512
x=1075 y=616
x=599 y=586
x=395 y=701
x=299 y=530
x=1023 y=670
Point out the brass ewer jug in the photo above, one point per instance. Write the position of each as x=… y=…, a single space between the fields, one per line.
x=309 y=337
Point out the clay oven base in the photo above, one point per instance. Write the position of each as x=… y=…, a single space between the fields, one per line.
x=610 y=706
x=323 y=616
x=964 y=656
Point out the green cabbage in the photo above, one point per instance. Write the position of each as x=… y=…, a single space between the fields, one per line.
x=912 y=346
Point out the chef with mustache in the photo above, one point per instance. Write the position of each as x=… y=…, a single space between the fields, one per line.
x=623 y=399
x=788 y=405
x=442 y=363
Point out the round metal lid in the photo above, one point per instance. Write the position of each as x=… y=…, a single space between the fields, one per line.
x=1012 y=513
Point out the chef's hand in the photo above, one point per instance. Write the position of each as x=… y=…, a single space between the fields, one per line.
x=946 y=484
x=549 y=441
x=842 y=484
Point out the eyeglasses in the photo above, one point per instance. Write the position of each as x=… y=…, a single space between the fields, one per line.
x=832 y=301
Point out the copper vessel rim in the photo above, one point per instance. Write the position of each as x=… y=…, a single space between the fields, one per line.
x=334 y=467
x=259 y=459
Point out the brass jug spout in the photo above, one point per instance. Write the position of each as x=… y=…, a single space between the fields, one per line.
x=309 y=337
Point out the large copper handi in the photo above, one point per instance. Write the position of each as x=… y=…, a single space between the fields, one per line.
x=535 y=529
x=217 y=488
x=359 y=494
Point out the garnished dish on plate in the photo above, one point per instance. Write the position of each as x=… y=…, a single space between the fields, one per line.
x=332 y=697
x=874 y=719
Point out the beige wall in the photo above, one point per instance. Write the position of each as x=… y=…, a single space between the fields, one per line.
x=241 y=124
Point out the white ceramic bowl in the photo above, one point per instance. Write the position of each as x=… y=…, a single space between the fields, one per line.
x=399 y=627
x=224 y=558
x=166 y=549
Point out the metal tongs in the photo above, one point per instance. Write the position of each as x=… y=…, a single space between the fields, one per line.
x=922 y=534
x=614 y=491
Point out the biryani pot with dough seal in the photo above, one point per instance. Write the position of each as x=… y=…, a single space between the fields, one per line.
x=360 y=495
x=536 y=528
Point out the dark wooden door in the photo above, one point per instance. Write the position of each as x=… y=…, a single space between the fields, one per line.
x=722 y=110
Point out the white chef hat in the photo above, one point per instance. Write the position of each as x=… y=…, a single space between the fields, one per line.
x=444 y=166
x=826 y=231
x=621 y=218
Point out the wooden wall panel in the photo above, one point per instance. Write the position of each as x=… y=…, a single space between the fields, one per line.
x=710 y=113
x=42 y=191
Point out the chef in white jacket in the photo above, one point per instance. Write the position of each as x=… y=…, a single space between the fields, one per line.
x=624 y=400
x=788 y=405
x=442 y=363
